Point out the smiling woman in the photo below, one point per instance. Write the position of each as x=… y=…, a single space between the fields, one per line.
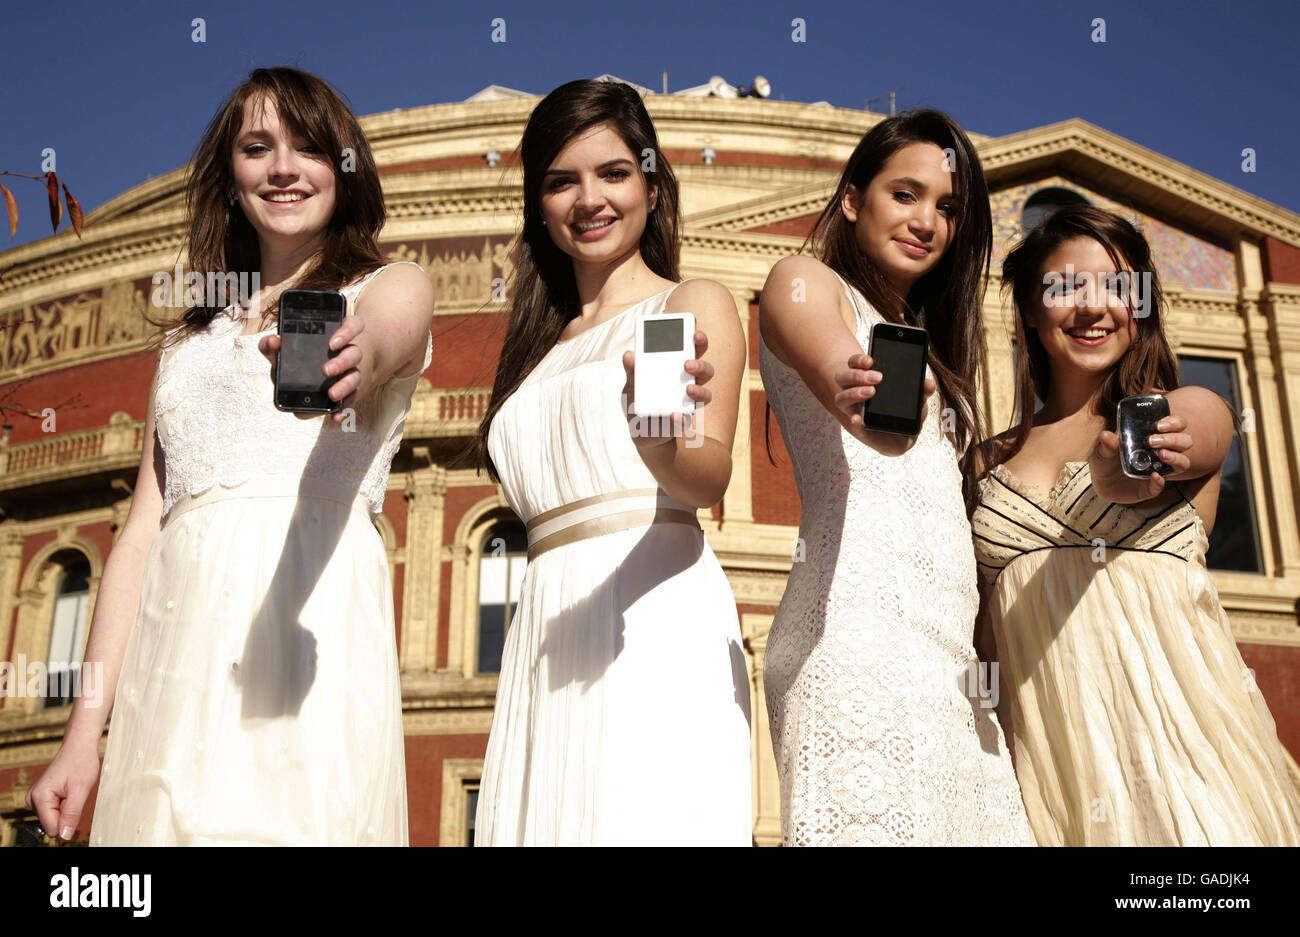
x=245 y=616
x=622 y=661
x=1134 y=718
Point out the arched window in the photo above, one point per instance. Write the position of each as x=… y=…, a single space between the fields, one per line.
x=1043 y=203
x=68 y=627
x=500 y=571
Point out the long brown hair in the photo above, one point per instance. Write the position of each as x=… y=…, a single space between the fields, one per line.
x=544 y=297
x=1148 y=365
x=949 y=297
x=222 y=240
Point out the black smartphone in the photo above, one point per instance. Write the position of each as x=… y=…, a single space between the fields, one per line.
x=307 y=320
x=898 y=353
x=1135 y=419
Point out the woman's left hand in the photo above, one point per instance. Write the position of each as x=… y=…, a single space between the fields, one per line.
x=345 y=364
x=702 y=371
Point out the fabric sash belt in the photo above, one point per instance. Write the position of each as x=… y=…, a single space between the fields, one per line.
x=604 y=514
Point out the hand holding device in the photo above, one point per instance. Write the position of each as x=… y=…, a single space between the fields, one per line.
x=308 y=319
x=898 y=354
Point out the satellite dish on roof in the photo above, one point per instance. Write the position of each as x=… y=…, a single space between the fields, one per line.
x=761 y=88
x=717 y=86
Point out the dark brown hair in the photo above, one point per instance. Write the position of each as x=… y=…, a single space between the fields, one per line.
x=1148 y=366
x=221 y=239
x=950 y=296
x=544 y=295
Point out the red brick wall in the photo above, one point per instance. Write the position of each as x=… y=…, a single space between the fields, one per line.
x=1277 y=674
x=1281 y=261
x=424 y=758
x=104 y=386
x=799 y=227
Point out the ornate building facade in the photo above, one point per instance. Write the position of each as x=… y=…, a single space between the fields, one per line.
x=754 y=175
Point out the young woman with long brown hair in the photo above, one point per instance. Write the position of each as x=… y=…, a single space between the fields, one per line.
x=1134 y=720
x=622 y=712
x=245 y=620
x=870 y=665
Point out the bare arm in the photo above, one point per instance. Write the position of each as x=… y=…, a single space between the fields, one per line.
x=802 y=322
x=60 y=793
x=695 y=467
x=385 y=337
x=1195 y=440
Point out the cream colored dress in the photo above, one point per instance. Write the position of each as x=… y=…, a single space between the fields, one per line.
x=1134 y=719
x=622 y=711
x=259 y=701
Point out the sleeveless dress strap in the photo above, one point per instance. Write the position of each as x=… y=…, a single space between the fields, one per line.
x=858 y=314
x=353 y=290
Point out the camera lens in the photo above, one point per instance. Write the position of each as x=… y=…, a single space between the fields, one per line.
x=1141 y=460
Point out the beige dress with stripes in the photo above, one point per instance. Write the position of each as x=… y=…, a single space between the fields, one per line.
x=1135 y=720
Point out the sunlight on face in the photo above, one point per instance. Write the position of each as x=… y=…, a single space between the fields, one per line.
x=283 y=183
x=1082 y=319
x=594 y=197
x=907 y=218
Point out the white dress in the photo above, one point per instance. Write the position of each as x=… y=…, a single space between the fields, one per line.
x=259 y=700
x=873 y=690
x=622 y=711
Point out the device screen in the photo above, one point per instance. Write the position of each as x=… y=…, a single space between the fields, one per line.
x=307 y=320
x=902 y=365
x=663 y=335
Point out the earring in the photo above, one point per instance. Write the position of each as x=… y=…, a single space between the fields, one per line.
x=230 y=197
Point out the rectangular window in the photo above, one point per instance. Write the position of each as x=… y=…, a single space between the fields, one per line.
x=1234 y=542
x=67 y=638
x=471 y=809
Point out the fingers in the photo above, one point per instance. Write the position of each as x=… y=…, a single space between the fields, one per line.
x=352 y=327
x=701 y=343
x=345 y=360
x=1178 y=442
x=1107 y=444
x=70 y=815
x=1172 y=424
x=269 y=346
x=858 y=378
x=46 y=804
x=930 y=386
x=860 y=362
x=629 y=363
x=1176 y=460
x=700 y=370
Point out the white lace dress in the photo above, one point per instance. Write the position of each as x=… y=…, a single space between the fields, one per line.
x=259 y=701
x=880 y=734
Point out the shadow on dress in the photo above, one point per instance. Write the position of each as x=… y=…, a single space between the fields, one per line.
x=278 y=666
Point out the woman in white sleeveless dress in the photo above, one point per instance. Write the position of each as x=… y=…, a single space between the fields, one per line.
x=253 y=662
x=882 y=720
x=622 y=712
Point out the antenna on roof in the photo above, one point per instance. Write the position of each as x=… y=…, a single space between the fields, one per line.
x=665 y=81
x=881 y=97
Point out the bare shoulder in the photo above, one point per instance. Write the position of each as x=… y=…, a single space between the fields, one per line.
x=404 y=284
x=787 y=270
x=987 y=449
x=701 y=294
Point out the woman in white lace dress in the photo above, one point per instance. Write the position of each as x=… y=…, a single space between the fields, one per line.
x=245 y=619
x=882 y=721
x=622 y=713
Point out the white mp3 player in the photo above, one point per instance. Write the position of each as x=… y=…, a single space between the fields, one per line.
x=664 y=343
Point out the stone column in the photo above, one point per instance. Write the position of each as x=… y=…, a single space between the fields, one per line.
x=426 y=489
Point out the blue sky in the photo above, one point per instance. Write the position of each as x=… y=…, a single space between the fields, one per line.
x=122 y=92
